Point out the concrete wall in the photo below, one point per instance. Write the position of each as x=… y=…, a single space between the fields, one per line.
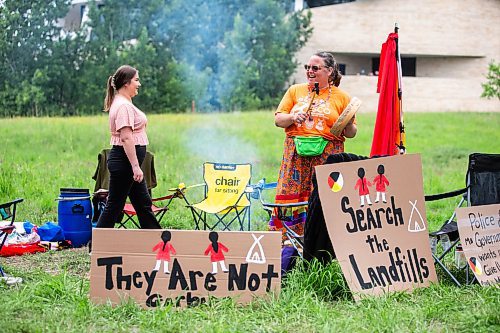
x=452 y=40
x=425 y=94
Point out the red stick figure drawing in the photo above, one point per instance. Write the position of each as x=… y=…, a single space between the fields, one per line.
x=380 y=182
x=363 y=185
x=164 y=249
x=216 y=250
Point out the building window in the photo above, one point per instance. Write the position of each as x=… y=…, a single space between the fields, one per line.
x=342 y=69
x=320 y=3
x=408 y=65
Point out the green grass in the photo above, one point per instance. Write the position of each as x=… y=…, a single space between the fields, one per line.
x=38 y=156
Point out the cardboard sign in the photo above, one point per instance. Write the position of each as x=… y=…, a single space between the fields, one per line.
x=479 y=229
x=183 y=268
x=375 y=215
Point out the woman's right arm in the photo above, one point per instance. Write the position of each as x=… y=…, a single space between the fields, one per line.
x=283 y=116
x=286 y=119
x=129 y=146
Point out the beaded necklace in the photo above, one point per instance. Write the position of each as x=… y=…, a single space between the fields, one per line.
x=309 y=122
x=316 y=104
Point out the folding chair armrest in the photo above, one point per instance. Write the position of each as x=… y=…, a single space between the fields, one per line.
x=7 y=228
x=182 y=188
x=288 y=205
x=196 y=185
x=10 y=203
x=167 y=197
x=269 y=186
x=434 y=197
x=269 y=207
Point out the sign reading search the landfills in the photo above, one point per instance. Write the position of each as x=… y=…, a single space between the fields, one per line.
x=375 y=215
x=479 y=229
x=181 y=267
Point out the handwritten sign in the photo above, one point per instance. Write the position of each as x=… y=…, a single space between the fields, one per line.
x=479 y=229
x=182 y=268
x=375 y=215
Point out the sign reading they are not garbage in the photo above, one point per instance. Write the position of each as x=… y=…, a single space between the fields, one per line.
x=183 y=267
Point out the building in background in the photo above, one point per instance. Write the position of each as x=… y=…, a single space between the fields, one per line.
x=446 y=47
x=77 y=15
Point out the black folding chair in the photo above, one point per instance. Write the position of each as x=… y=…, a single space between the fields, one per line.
x=482 y=188
x=7 y=212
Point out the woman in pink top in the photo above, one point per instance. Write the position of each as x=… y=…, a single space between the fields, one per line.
x=128 y=137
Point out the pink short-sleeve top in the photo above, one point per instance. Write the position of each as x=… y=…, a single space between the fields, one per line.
x=123 y=113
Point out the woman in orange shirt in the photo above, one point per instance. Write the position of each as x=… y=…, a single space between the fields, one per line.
x=293 y=114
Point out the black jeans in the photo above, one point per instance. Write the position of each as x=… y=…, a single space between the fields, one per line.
x=121 y=185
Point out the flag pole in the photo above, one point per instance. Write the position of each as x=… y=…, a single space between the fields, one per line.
x=402 y=148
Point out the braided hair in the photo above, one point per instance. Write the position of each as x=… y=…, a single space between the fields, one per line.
x=213 y=236
x=165 y=237
x=330 y=61
x=123 y=75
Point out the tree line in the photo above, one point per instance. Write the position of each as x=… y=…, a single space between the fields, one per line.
x=222 y=54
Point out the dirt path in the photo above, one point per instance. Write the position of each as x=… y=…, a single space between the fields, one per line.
x=73 y=261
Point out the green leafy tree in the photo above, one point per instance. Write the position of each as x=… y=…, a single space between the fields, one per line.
x=491 y=89
x=192 y=33
x=222 y=54
x=31 y=96
x=28 y=31
x=238 y=71
x=262 y=53
x=127 y=32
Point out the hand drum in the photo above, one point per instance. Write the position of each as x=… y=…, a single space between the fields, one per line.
x=346 y=116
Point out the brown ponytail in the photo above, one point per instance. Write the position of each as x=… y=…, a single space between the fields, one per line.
x=110 y=94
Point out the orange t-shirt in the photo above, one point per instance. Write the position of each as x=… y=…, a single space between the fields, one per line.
x=324 y=111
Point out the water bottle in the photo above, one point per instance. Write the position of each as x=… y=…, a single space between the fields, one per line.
x=445 y=242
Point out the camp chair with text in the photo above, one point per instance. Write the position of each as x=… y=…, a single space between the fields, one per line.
x=7 y=212
x=482 y=188
x=226 y=198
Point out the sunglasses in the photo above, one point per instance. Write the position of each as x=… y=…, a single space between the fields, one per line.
x=315 y=68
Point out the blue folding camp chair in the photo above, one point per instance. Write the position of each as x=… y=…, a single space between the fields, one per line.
x=281 y=210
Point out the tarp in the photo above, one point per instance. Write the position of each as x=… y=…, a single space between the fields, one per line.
x=387 y=136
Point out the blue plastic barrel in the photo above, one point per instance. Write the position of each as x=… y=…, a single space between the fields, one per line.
x=74 y=215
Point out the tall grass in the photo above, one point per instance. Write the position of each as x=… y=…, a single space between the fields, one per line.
x=38 y=156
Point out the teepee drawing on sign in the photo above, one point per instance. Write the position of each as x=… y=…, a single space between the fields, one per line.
x=415 y=224
x=256 y=253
